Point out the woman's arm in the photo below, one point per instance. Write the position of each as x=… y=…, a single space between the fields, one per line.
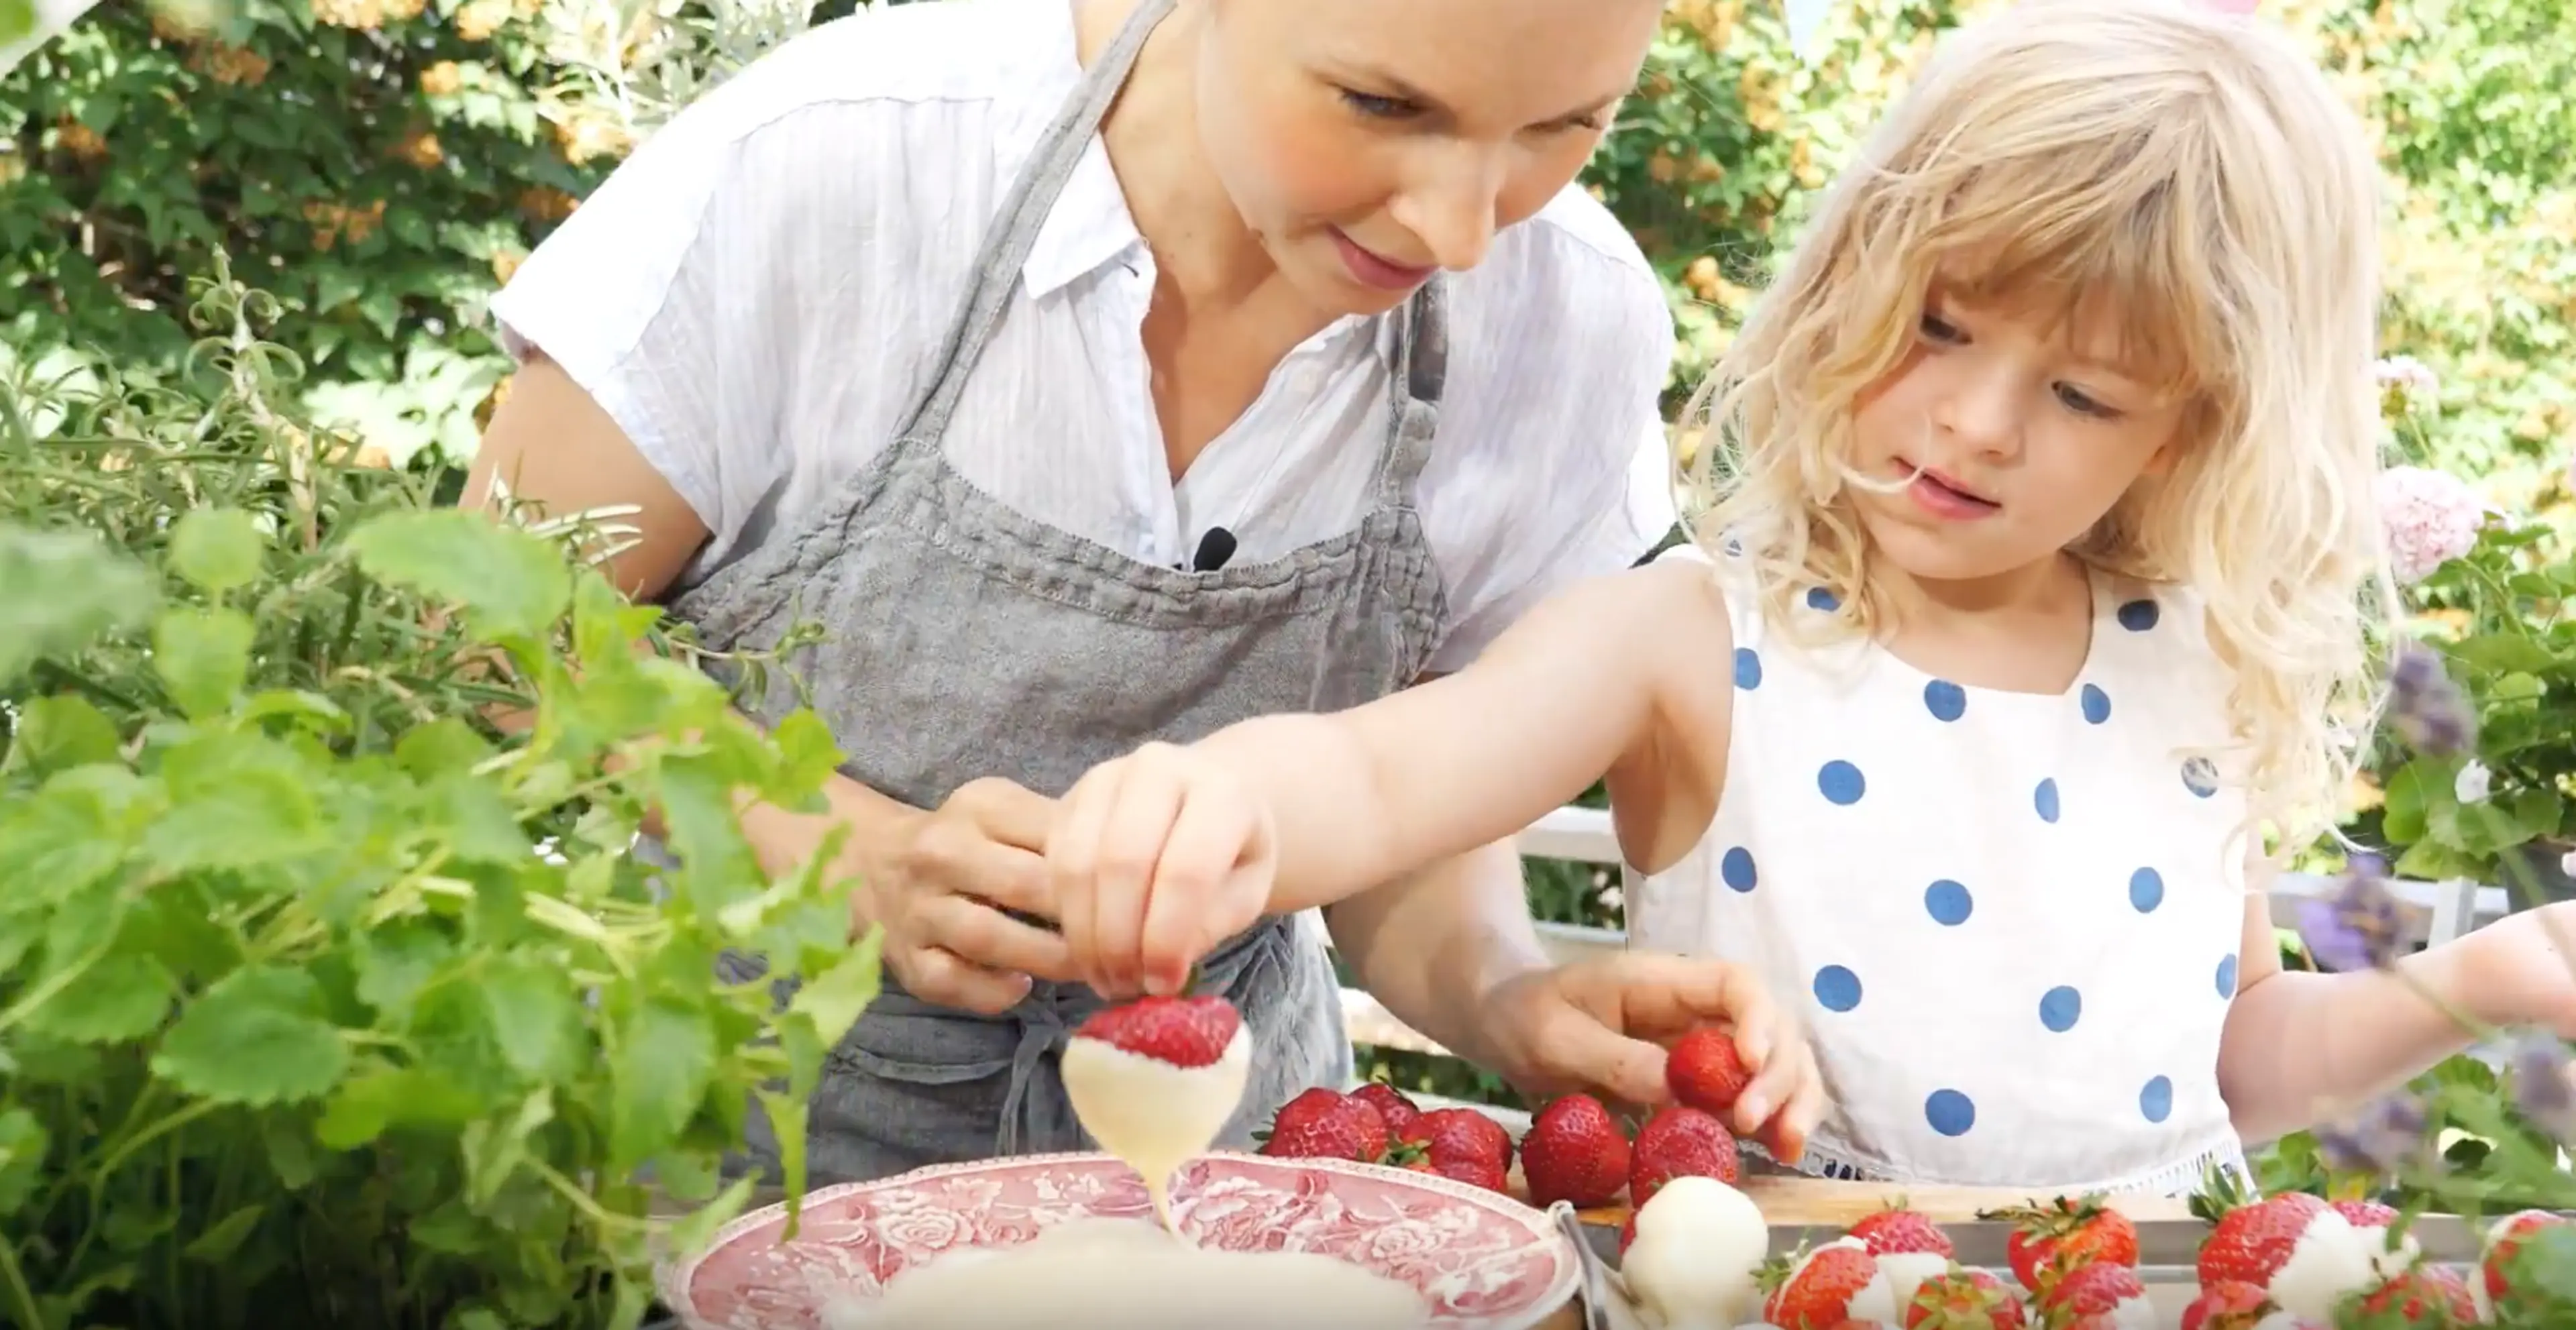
x=2303 y=1048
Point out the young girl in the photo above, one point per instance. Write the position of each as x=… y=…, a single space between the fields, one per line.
x=2032 y=610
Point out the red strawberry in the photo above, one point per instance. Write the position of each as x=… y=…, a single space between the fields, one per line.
x=2227 y=1306
x=2424 y=1295
x=2365 y=1214
x=2066 y=1232
x=1324 y=1123
x=1963 y=1300
x=1628 y=1233
x=1477 y=1173
x=2078 y=1289
x=1574 y=1152
x=1391 y=1105
x=1680 y=1142
x=2250 y=1244
x=1705 y=1072
x=1896 y=1230
x=1815 y=1293
x=2503 y=1241
x=1183 y=1031
x=1459 y=1135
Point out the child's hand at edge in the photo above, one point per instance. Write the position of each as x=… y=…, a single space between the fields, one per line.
x=1602 y=1026
x=1156 y=858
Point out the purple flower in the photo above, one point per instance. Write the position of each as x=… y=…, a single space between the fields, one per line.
x=2388 y=1137
x=2357 y=928
x=2429 y=711
x=2542 y=1091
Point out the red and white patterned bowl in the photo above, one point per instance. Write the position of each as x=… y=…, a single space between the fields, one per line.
x=1482 y=1260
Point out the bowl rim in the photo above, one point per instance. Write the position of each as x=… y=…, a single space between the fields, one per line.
x=674 y=1276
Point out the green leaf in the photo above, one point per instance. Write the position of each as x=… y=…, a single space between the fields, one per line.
x=494 y=1148
x=23 y=1142
x=691 y=1235
x=256 y=1037
x=510 y=583
x=217 y=549
x=236 y=800
x=394 y=963
x=61 y=589
x=71 y=835
x=56 y=733
x=476 y=820
x=2402 y=809
x=118 y=997
x=446 y=746
x=536 y=1020
x=217 y=1244
x=833 y=1000
x=665 y=1055
x=204 y=657
x=366 y=1105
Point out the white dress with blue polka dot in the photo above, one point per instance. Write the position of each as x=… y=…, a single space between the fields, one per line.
x=2012 y=918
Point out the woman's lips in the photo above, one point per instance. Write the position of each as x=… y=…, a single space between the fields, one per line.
x=1369 y=268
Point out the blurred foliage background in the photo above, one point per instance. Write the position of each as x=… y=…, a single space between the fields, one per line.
x=381 y=166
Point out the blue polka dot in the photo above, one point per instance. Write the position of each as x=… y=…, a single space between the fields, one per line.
x=2227 y=977
x=2139 y=615
x=2045 y=800
x=1748 y=669
x=1948 y=903
x=2097 y=704
x=1820 y=599
x=1841 y=782
x=1945 y=700
x=2200 y=776
x=2146 y=890
x=1837 y=989
x=2060 y=1007
x=1735 y=867
x=2156 y=1100
x=1950 y=1112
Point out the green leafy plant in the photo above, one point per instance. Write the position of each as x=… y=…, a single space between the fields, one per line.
x=325 y=1000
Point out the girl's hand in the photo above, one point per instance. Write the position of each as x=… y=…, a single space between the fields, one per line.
x=1602 y=1026
x=1156 y=858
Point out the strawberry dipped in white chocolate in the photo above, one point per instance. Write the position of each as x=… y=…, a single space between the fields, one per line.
x=1155 y=1080
x=2301 y=1252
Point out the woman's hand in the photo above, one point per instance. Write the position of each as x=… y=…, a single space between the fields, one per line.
x=938 y=883
x=1602 y=1026
x=1156 y=858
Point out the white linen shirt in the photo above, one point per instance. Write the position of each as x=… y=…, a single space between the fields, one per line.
x=756 y=295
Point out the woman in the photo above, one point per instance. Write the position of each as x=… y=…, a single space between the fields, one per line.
x=1291 y=384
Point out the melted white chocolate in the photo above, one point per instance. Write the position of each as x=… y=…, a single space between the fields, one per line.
x=1128 y=1274
x=1154 y=1116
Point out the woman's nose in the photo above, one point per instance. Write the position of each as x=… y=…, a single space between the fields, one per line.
x=1451 y=206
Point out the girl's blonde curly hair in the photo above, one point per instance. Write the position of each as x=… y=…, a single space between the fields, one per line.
x=2194 y=175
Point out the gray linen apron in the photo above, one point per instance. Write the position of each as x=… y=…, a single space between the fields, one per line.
x=966 y=639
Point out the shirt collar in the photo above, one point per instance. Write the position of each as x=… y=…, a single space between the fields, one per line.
x=1089 y=226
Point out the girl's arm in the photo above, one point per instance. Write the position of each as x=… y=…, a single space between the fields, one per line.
x=2301 y=1049
x=1159 y=855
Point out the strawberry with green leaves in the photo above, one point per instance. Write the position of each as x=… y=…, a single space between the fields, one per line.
x=2299 y=1250
x=1824 y=1288
x=2227 y=1305
x=1963 y=1299
x=1680 y=1141
x=2088 y=1293
x=1458 y=1143
x=1391 y=1104
x=2066 y=1232
x=1324 y=1123
x=2427 y=1296
x=2507 y=1237
x=1575 y=1152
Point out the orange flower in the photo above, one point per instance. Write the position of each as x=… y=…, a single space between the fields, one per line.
x=444 y=79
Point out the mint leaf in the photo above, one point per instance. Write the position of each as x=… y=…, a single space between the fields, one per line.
x=203 y=656
x=87 y=589
x=256 y=1037
x=495 y=1147
x=365 y=1105
x=394 y=963
x=67 y=837
x=217 y=549
x=442 y=747
x=217 y=1244
x=118 y=997
x=510 y=583
x=833 y=999
x=536 y=1020
x=237 y=800
x=22 y=1158
x=665 y=1055
x=55 y=733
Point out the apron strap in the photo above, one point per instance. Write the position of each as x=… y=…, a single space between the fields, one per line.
x=1023 y=214
x=1421 y=373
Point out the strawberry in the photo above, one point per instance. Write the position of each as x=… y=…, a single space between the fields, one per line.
x=2227 y=1306
x=1898 y=1230
x=2250 y=1244
x=2365 y=1214
x=1680 y=1141
x=1182 y=1031
x=1324 y=1123
x=1962 y=1300
x=1628 y=1233
x=2066 y=1232
x=1477 y=1173
x=1815 y=1292
x=2426 y=1296
x=1391 y=1105
x=1574 y=1152
x=2074 y=1290
x=2377 y=1225
x=2503 y=1241
x=1705 y=1072
x=1459 y=1135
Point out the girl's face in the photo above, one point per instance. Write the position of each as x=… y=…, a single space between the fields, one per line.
x=1370 y=143
x=2025 y=431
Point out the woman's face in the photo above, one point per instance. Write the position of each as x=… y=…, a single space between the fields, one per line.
x=1369 y=143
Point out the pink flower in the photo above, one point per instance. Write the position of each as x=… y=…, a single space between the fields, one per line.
x=2430 y=518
